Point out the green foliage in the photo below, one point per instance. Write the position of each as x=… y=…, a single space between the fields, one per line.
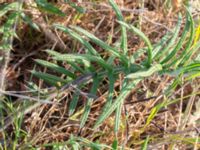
x=13 y=12
x=143 y=37
x=115 y=144
x=8 y=7
x=157 y=61
x=48 y=7
x=145 y=145
x=77 y=8
x=173 y=56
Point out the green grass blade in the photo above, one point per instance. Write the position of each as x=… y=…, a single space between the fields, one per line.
x=195 y=52
x=194 y=75
x=184 y=55
x=102 y=44
x=46 y=6
x=78 y=38
x=153 y=113
x=177 y=81
x=8 y=7
x=190 y=67
x=123 y=29
x=124 y=93
x=143 y=37
x=73 y=5
x=73 y=103
x=92 y=145
x=112 y=80
x=71 y=61
x=115 y=145
x=145 y=145
x=158 y=47
x=51 y=79
x=118 y=117
x=195 y=66
x=180 y=43
x=77 y=68
x=189 y=51
x=56 y=68
x=172 y=41
x=82 y=57
x=89 y=102
x=28 y=20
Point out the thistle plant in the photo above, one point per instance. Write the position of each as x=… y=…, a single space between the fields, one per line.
x=176 y=55
x=167 y=57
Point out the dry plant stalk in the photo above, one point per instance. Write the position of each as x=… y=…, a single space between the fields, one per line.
x=5 y=55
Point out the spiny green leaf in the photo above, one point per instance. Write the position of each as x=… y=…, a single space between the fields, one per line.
x=51 y=79
x=143 y=37
x=77 y=37
x=29 y=21
x=55 y=67
x=158 y=47
x=82 y=57
x=179 y=59
x=142 y=74
x=111 y=79
x=186 y=54
x=180 y=43
x=173 y=39
x=123 y=29
x=7 y=7
x=72 y=63
x=103 y=45
x=124 y=93
x=89 y=102
x=73 y=103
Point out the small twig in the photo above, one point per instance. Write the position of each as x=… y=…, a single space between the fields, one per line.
x=157 y=23
x=23 y=59
x=23 y=97
x=141 y=100
x=88 y=95
x=99 y=24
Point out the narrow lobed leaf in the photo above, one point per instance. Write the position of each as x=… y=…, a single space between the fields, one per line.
x=103 y=45
x=143 y=37
x=55 y=67
x=123 y=29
